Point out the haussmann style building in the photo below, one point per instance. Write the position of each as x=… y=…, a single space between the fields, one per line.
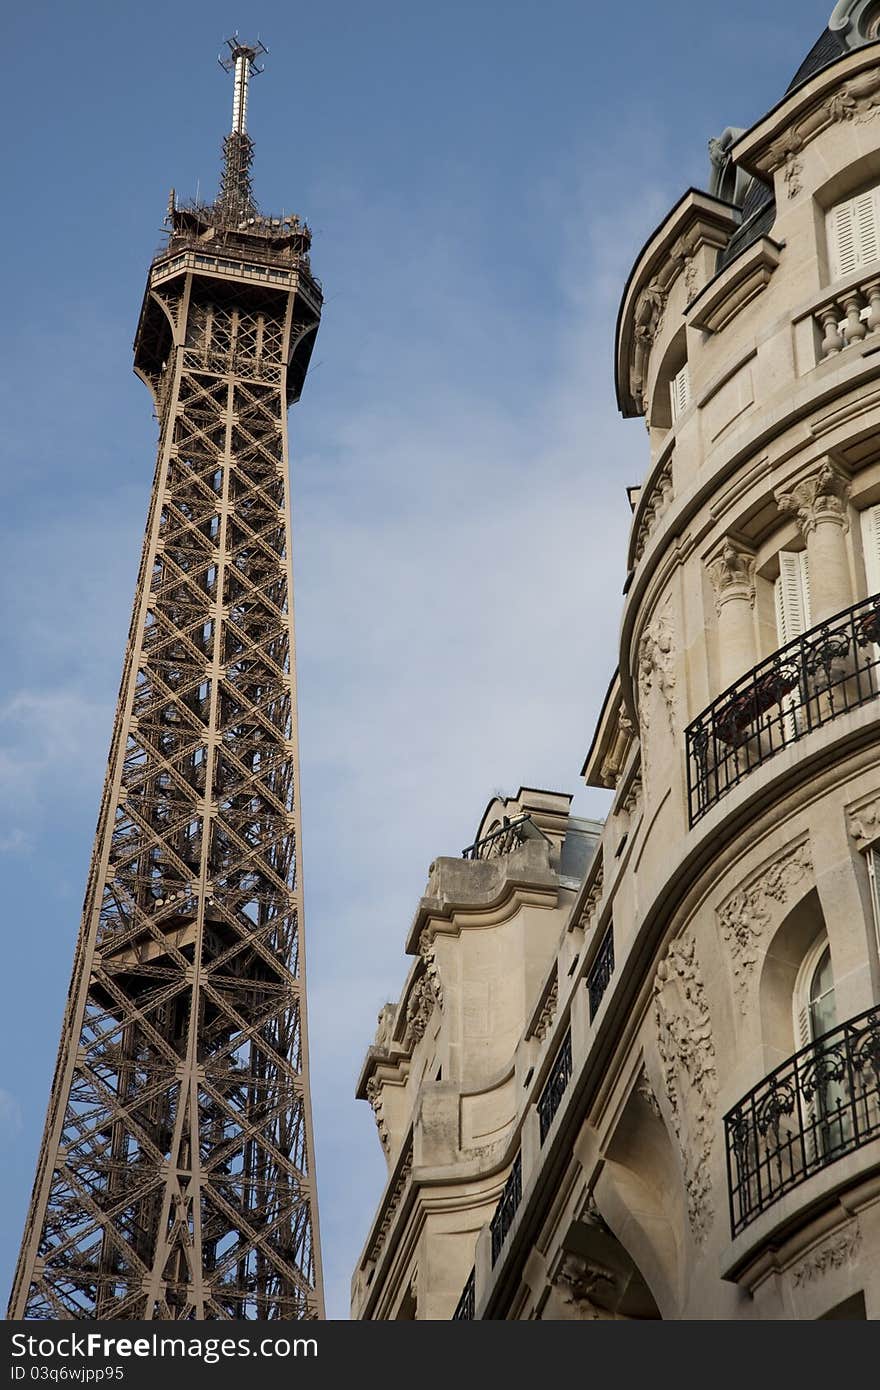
x=635 y=1068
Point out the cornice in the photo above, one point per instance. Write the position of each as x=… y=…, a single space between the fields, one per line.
x=608 y=735
x=843 y=91
x=722 y=298
x=520 y=881
x=655 y=495
x=697 y=219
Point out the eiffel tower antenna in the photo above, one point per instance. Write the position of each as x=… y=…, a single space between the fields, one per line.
x=236 y=194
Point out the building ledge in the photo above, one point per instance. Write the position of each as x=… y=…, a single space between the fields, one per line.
x=835 y=1192
x=483 y=889
x=698 y=219
x=722 y=299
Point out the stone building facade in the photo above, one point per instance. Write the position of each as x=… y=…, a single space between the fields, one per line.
x=635 y=1070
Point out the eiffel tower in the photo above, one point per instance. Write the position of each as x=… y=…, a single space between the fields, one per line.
x=176 y=1175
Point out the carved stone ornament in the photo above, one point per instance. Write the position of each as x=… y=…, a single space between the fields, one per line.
x=745 y=917
x=646 y=1091
x=858 y=100
x=732 y=572
x=418 y=1012
x=374 y=1096
x=820 y=496
x=428 y=954
x=656 y=667
x=384 y=1026
x=615 y=760
x=648 y=319
x=632 y=802
x=655 y=504
x=833 y=1253
x=578 y=1280
x=650 y=308
x=786 y=152
x=391 y=1206
x=548 y=1012
x=864 y=823
x=593 y=898
x=682 y=254
x=684 y=1041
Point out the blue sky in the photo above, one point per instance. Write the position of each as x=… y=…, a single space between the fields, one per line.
x=478 y=178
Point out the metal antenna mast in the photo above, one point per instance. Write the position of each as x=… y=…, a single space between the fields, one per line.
x=236 y=195
x=176 y=1174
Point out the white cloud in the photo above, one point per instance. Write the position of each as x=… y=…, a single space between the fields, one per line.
x=15 y=841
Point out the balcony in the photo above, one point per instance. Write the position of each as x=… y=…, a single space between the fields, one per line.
x=849 y=315
x=508 y=837
x=466 y=1306
x=822 y=674
x=508 y=1205
x=821 y=1104
x=600 y=972
x=557 y=1083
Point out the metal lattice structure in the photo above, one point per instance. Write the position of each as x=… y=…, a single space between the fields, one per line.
x=176 y=1173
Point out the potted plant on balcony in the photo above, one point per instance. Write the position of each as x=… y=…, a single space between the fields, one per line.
x=748 y=705
x=868 y=627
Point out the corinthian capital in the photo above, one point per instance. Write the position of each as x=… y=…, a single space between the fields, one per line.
x=731 y=568
x=818 y=496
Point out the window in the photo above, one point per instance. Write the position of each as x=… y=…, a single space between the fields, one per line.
x=853 y=232
x=814 y=1008
x=680 y=392
x=792 y=594
x=792 y=597
x=820 y=1001
x=870 y=519
x=827 y=1123
x=873 y=858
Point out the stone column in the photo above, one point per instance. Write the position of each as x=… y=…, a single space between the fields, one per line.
x=731 y=568
x=818 y=502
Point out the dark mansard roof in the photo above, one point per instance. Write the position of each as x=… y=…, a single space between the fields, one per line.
x=759 y=204
x=827 y=49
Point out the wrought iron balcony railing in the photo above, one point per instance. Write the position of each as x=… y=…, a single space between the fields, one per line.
x=509 y=836
x=600 y=972
x=466 y=1306
x=508 y=1203
x=822 y=1103
x=827 y=671
x=557 y=1082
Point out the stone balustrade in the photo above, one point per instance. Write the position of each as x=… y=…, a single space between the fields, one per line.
x=849 y=316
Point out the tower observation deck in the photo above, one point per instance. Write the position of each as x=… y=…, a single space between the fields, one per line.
x=176 y=1175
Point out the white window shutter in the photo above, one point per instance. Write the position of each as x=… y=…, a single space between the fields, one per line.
x=802 y=1023
x=792 y=594
x=873 y=875
x=866 y=226
x=805 y=588
x=853 y=230
x=870 y=519
x=842 y=240
x=680 y=391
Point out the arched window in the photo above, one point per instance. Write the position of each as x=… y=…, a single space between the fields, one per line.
x=825 y=1119
x=814 y=1006
x=823 y=1016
